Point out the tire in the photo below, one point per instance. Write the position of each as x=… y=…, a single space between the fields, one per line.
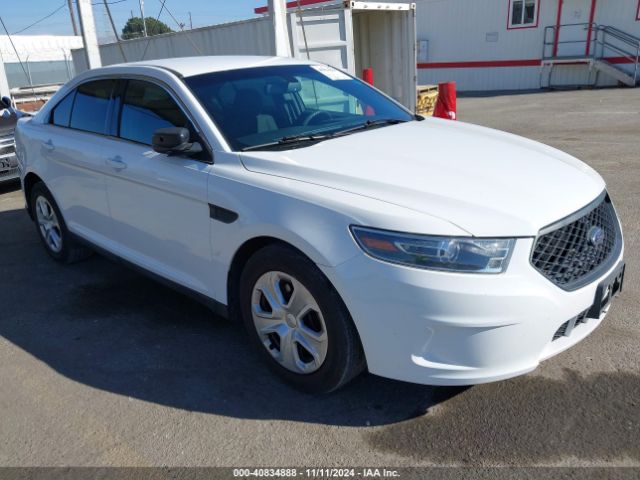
x=281 y=283
x=52 y=230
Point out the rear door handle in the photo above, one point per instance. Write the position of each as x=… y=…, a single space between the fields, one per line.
x=116 y=163
x=48 y=145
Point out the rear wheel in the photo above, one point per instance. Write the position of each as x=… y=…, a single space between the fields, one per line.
x=51 y=227
x=298 y=321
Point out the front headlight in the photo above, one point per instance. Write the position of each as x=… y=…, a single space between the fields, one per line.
x=452 y=254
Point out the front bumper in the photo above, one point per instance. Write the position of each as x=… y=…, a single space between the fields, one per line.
x=442 y=328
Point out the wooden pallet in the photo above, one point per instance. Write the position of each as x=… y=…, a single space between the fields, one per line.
x=427 y=97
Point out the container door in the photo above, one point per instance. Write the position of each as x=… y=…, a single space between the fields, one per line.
x=323 y=35
x=385 y=40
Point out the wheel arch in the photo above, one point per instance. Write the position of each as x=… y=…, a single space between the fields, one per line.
x=29 y=181
x=239 y=260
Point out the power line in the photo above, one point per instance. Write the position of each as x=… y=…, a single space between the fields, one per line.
x=109 y=3
x=149 y=38
x=18 y=56
x=181 y=27
x=42 y=19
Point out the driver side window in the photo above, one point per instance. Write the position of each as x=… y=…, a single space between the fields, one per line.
x=147 y=107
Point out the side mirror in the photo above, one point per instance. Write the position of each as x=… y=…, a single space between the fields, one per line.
x=6 y=102
x=174 y=140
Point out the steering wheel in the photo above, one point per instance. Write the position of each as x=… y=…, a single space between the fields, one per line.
x=315 y=116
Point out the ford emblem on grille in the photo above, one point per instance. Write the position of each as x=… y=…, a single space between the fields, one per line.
x=595 y=235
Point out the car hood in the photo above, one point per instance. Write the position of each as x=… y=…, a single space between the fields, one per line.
x=487 y=182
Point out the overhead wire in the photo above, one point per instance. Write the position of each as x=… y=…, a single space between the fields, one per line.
x=181 y=27
x=149 y=38
x=42 y=19
x=19 y=59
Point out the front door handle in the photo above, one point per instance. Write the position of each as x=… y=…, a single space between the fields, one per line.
x=116 y=163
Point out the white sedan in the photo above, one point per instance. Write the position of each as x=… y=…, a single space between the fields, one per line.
x=346 y=232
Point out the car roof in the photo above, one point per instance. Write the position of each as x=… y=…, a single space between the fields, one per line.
x=189 y=66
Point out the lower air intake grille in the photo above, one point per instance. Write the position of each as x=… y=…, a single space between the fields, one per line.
x=567 y=327
x=561 y=331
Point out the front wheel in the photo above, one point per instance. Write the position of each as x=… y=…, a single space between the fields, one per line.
x=298 y=321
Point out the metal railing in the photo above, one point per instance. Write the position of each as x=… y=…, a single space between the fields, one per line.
x=625 y=45
x=555 y=41
x=599 y=43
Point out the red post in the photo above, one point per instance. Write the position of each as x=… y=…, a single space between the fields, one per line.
x=446 y=103
x=556 y=35
x=592 y=15
x=367 y=75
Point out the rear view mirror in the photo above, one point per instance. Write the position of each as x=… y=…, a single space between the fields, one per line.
x=6 y=102
x=281 y=86
x=174 y=140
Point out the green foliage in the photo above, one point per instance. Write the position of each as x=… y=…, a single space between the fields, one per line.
x=133 y=27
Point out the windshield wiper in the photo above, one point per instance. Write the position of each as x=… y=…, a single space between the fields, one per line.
x=305 y=137
x=368 y=124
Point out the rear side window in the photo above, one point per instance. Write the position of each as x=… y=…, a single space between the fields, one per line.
x=62 y=111
x=91 y=106
x=145 y=108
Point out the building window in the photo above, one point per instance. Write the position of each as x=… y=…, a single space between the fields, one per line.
x=523 y=13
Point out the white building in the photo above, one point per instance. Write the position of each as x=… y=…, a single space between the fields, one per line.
x=46 y=59
x=498 y=44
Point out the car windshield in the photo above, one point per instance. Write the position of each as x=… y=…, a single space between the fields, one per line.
x=291 y=106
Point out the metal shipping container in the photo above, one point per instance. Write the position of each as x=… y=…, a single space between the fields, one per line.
x=357 y=35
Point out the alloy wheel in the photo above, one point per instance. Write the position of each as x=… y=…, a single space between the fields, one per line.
x=48 y=224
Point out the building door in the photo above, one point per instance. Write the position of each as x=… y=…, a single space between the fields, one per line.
x=575 y=32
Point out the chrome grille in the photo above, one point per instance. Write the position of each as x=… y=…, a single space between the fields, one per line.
x=569 y=256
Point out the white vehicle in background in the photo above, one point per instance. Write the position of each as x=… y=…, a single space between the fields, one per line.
x=347 y=233
x=9 y=116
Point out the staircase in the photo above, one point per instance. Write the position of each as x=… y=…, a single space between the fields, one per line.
x=608 y=68
x=608 y=51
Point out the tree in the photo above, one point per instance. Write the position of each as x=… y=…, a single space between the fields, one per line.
x=133 y=27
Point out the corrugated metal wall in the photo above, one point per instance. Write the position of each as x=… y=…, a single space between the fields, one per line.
x=249 y=37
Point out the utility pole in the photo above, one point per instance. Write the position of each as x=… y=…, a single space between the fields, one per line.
x=278 y=11
x=89 y=38
x=144 y=24
x=73 y=17
x=115 y=32
x=4 y=83
x=190 y=22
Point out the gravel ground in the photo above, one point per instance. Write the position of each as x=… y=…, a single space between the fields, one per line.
x=102 y=367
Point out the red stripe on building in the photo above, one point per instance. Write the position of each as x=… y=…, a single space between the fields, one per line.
x=510 y=63
x=482 y=64
x=619 y=60
x=293 y=4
